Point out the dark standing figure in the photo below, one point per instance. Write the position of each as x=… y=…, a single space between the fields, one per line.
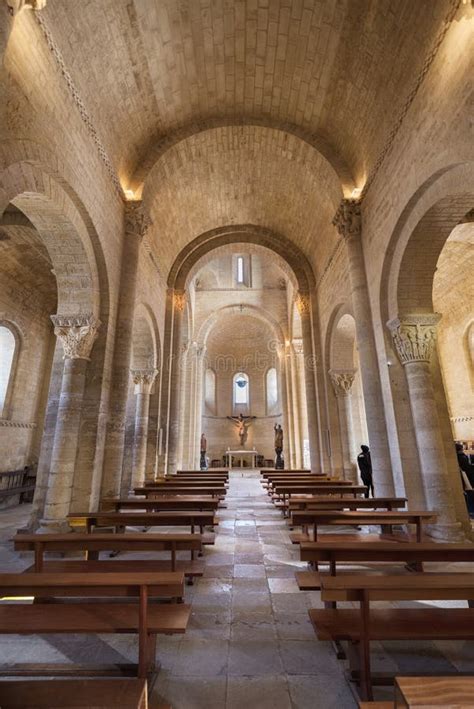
x=365 y=466
x=464 y=464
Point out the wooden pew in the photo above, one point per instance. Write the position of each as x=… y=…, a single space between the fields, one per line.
x=121 y=520
x=162 y=502
x=288 y=490
x=319 y=502
x=78 y=693
x=335 y=553
x=183 y=489
x=434 y=691
x=176 y=481
x=93 y=544
x=315 y=518
x=361 y=626
x=77 y=617
x=209 y=471
x=273 y=471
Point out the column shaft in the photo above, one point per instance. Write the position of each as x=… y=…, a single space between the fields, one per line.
x=347 y=221
x=136 y=225
x=140 y=438
x=77 y=335
x=311 y=396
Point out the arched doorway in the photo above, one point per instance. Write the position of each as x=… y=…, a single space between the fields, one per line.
x=344 y=372
x=419 y=279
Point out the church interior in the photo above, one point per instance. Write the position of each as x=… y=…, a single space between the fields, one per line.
x=236 y=354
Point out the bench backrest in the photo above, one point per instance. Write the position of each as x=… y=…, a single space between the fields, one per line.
x=107 y=542
x=386 y=551
x=416 y=587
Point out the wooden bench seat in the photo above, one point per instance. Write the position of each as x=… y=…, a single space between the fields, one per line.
x=26 y=619
x=189 y=568
x=395 y=624
x=384 y=518
x=361 y=626
x=78 y=693
x=142 y=618
x=183 y=489
x=161 y=503
x=454 y=692
x=121 y=520
x=93 y=544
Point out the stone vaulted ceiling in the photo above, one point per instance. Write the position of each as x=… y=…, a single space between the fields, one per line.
x=244 y=111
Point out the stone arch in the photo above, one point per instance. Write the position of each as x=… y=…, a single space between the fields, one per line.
x=34 y=181
x=434 y=210
x=418 y=384
x=251 y=310
x=158 y=146
x=347 y=409
x=246 y=234
x=63 y=232
x=8 y=368
x=145 y=350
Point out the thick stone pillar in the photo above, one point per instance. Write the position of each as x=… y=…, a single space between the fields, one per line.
x=414 y=337
x=136 y=225
x=77 y=335
x=348 y=223
x=304 y=308
x=170 y=390
x=283 y=389
x=297 y=367
x=198 y=405
x=143 y=380
x=342 y=382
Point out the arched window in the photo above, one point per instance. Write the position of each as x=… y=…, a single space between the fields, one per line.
x=210 y=391
x=272 y=390
x=240 y=269
x=7 y=357
x=241 y=389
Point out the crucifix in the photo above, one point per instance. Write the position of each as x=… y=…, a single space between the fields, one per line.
x=242 y=423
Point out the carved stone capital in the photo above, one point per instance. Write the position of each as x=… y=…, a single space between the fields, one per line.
x=143 y=380
x=342 y=381
x=302 y=302
x=15 y=6
x=179 y=300
x=298 y=346
x=77 y=334
x=414 y=336
x=347 y=219
x=137 y=222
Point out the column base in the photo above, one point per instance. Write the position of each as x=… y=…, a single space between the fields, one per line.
x=54 y=526
x=445 y=532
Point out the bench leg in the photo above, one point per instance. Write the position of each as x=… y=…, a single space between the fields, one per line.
x=364 y=650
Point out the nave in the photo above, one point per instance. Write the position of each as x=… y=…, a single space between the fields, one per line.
x=249 y=639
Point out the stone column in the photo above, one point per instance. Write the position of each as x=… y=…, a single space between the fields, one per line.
x=170 y=394
x=348 y=223
x=77 y=334
x=414 y=337
x=342 y=382
x=136 y=226
x=297 y=365
x=283 y=388
x=143 y=380
x=303 y=304
x=199 y=387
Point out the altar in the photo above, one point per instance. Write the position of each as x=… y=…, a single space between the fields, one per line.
x=240 y=455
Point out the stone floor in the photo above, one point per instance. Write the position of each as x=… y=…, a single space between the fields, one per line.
x=249 y=641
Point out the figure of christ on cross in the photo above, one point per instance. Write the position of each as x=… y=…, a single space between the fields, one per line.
x=242 y=423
